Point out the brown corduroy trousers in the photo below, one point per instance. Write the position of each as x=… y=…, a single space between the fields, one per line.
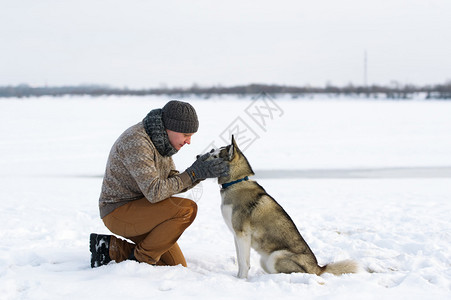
x=154 y=229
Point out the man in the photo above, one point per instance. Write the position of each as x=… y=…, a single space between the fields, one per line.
x=136 y=200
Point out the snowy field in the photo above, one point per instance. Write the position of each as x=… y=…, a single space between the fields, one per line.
x=364 y=180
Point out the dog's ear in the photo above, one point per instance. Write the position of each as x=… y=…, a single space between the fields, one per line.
x=234 y=142
x=235 y=145
x=233 y=149
x=230 y=152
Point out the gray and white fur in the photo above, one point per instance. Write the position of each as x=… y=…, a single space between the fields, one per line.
x=258 y=221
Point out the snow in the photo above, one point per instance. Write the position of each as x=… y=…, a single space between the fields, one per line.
x=396 y=224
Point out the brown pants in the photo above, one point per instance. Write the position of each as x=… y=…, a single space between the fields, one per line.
x=153 y=227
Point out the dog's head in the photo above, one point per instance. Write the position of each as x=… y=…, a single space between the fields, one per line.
x=238 y=164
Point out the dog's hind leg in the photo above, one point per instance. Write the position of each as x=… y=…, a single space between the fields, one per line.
x=243 y=252
x=268 y=262
x=287 y=262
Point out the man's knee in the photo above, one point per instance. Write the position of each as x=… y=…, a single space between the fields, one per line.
x=193 y=209
x=188 y=208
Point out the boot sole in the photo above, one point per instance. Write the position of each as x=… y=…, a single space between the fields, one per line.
x=98 y=245
x=92 y=248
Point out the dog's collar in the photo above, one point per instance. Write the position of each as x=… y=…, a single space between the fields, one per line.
x=226 y=185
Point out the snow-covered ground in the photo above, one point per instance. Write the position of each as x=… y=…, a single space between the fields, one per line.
x=334 y=165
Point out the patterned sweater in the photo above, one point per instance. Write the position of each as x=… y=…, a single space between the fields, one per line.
x=135 y=169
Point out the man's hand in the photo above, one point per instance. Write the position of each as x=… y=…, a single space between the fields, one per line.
x=207 y=168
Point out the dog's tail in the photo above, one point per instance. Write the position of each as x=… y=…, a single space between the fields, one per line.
x=341 y=267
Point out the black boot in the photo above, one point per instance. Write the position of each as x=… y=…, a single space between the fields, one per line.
x=99 y=245
x=132 y=256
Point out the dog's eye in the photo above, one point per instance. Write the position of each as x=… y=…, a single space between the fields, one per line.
x=212 y=150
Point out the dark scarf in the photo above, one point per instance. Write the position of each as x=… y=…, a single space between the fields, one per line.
x=153 y=124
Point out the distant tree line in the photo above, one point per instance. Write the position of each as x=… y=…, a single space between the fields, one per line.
x=395 y=91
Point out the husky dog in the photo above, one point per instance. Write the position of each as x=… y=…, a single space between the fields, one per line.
x=258 y=221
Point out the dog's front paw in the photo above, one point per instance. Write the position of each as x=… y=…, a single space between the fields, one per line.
x=242 y=274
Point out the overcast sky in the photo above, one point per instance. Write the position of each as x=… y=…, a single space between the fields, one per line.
x=143 y=43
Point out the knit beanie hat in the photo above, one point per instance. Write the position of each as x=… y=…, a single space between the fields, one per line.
x=180 y=117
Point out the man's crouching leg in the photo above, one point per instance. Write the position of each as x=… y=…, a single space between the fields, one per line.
x=153 y=227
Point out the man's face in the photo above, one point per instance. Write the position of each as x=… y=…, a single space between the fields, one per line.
x=178 y=139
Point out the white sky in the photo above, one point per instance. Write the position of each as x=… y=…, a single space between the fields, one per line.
x=143 y=43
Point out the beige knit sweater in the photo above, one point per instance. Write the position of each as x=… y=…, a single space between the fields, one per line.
x=135 y=169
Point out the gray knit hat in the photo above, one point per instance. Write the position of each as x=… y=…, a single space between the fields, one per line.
x=180 y=116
